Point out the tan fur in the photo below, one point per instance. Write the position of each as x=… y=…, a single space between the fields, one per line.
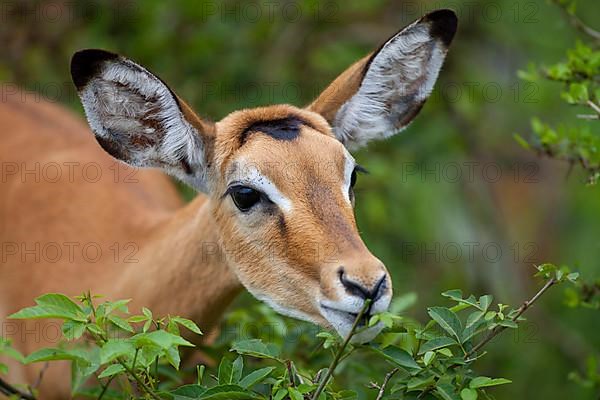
x=303 y=255
x=186 y=258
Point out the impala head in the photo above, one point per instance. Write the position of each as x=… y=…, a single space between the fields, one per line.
x=280 y=178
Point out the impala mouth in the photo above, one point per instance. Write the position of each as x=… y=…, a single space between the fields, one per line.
x=347 y=316
x=342 y=321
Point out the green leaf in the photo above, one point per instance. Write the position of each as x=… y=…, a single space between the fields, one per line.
x=160 y=338
x=237 y=369
x=228 y=392
x=172 y=356
x=473 y=320
x=189 y=324
x=468 y=394
x=280 y=394
x=225 y=371
x=46 y=311
x=86 y=362
x=255 y=377
x=295 y=394
x=61 y=302
x=573 y=276
x=447 y=320
x=579 y=92
x=446 y=392
x=523 y=143
x=420 y=383
x=3 y=369
x=305 y=388
x=173 y=328
x=73 y=330
x=429 y=357
x=454 y=294
x=508 y=323
x=437 y=343
x=344 y=395
x=485 y=301
x=95 y=329
x=255 y=348
x=447 y=352
x=397 y=356
x=115 y=348
x=111 y=370
x=137 y=318
x=484 y=381
x=188 y=392
x=120 y=323
x=120 y=305
x=49 y=354
x=147 y=312
x=11 y=352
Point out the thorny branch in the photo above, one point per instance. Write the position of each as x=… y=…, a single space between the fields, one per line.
x=386 y=380
x=498 y=329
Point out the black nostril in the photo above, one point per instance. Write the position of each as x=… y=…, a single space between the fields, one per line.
x=356 y=289
x=379 y=289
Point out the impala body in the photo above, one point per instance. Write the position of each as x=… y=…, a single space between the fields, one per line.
x=275 y=209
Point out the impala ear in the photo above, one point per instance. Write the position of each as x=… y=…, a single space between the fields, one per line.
x=380 y=94
x=137 y=119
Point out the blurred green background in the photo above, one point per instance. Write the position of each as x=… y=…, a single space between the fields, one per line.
x=451 y=202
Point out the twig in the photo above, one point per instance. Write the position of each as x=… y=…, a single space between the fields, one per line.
x=588 y=116
x=498 y=329
x=594 y=106
x=105 y=387
x=41 y=375
x=9 y=390
x=139 y=381
x=578 y=23
x=340 y=351
x=387 y=378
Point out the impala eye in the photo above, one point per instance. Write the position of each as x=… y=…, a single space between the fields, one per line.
x=357 y=169
x=353 y=178
x=244 y=197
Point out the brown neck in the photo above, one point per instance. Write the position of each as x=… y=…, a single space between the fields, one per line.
x=181 y=269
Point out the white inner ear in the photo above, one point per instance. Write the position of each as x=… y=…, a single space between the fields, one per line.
x=397 y=82
x=349 y=165
x=128 y=104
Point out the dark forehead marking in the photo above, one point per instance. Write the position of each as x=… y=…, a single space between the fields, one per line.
x=281 y=129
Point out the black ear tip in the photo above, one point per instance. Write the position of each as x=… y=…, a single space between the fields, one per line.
x=85 y=64
x=443 y=24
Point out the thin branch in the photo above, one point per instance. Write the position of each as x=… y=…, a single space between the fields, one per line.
x=40 y=377
x=139 y=381
x=499 y=329
x=588 y=116
x=594 y=106
x=340 y=351
x=577 y=22
x=387 y=378
x=105 y=387
x=9 y=390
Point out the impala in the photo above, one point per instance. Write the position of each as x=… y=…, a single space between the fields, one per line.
x=275 y=213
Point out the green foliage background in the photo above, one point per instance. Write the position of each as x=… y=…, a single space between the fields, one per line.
x=221 y=57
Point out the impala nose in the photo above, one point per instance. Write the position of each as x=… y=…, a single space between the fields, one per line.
x=362 y=290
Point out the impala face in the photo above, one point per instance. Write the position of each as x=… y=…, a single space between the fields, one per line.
x=280 y=178
x=285 y=203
